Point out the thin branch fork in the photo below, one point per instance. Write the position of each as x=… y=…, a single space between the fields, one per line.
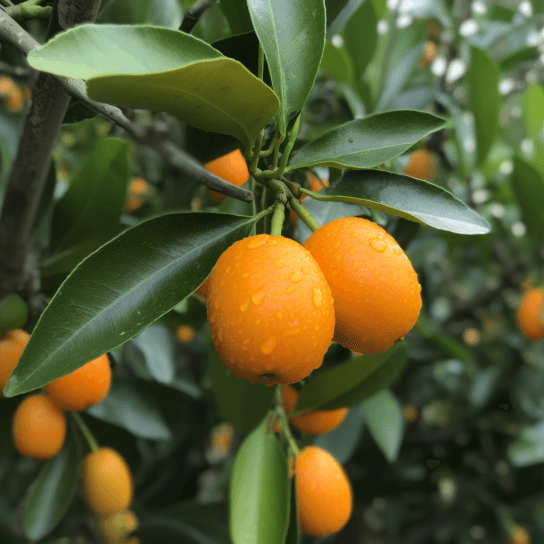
x=193 y=14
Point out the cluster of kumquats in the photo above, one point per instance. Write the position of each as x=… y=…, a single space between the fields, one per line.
x=39 y=431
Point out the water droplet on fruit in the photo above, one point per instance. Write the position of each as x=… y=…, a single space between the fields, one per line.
x=305 y=270
x=295 y=277
x=316 y=327
x=267 y=347
x=244 y=306
x=258 y=297
x=279 y=263
x=279 y=315
x=317 y=297
x=339 y=257
x=282 y=277
x=228 y=269
x=378 y=245
x=245 y=274
x=278 y=292
x=352 y=251
x=376 y=273
x=397 y=251
x=289 y=289
x=258 y=243
x=355 y=264
x=292 y=331
x=353 y=234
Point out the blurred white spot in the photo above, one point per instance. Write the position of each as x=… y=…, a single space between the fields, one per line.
x=526 y=8
x=477 y=181
x=392 y=4
x=439 y=65
x=527 y=146
x=469 y=144
x=516 y=112
x=542 y=58
x=412 y=5
x=447 y=489
x=477 y=532
x=531 y=76
x=337 y=40
x=497 y=210
x=468 y=27
x=518 y=229
x=468 y=118
x=478 y=7
x=383 y=26
x=506 y=167
x=533 y=39
x=122 y=333
x=506 y=86
x=480 y=196
x=456 y=70
x=404 y=20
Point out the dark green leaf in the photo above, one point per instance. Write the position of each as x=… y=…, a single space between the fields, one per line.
x=237 y=15
x=234 y=396
x=368 y=142
x=528 y=184
x=164 y=530
x=155 y=343
x=47 y=196
x=330 y=387
x=119 y=290
x=406 y=197
x=53 y=491
x=533 y=109
x=293 y=531
x=485 y=100
x=259 y=491
x=292 y=35
x=162 y=70
x=513 y=60
x=77 y=111
x=94 y=202
x=337 y=63
x=129 y=405
x=384 y=419
x=138 y=12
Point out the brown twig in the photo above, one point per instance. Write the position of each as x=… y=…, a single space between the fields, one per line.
x=193 y=14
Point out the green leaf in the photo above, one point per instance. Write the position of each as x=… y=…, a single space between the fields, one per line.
x=485 y=100
x=53 y=491
x=339 y=12
x=364 y=143
x=383 y=414
x=259 y=491
x=119 y=290
x=162 y=70
x=349 y=383
x=155 y=343
x=528 y=448
x=406 y=197
x=528 y=185
x=292 y=35
x=137 y=12
x=242 y=403
x=94 y=202
x=337 y=63
x=13 y=313
x=165 y=530
x=533 y=109
x=293 y=531
x=130 y=405
x=237 y=14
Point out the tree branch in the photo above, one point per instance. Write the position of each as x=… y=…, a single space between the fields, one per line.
x=193 y=14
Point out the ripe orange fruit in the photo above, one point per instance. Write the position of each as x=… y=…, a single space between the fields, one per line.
x=410 y=413
x=323 y=492
x=316 y=184
x=184 y=334
x=429 y=53
x=375 y=289
x=316 y=422
x=14 y=100
x=519 y=535
x=116 y=528
x=270 y=310
x=12 y=345
x=107 y=482
x=529 y=314
x=203 y=289
x=422 y=165
x=39 y=427
x=231 y=167
x=86 y=386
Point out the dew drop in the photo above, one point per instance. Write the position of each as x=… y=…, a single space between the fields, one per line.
x=278 y=292
x=244 y=306
x=305 y=270
x=352 y=251
x=245 y=274
x=378 y=245
x=228 y=269
x=292 y=331
x=267 y=256
x=258 y=243
x=267 y=347
x=317 y=297
x=397 y=251
x=282 y=277
x=258 y=297
x=279 y=263
x=376 y=273
x=295 y=277
x=279 y=315
x=289 y=289
x=355 y=264
x=353 y=234
x=339 y=257
x=316 y=327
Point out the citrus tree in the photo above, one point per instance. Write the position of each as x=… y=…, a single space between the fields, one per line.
x=235 y=236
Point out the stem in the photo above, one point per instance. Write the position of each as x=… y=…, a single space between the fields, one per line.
x=272 y=147
x=86 y=432
x=264 y=213
x=277 y=219
x=256 y=152
x=284 y=423
x=193 y=14
x=304 y=214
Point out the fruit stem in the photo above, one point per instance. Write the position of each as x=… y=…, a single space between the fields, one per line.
x=274 y=144
x=264 y=213
x=256 y=152
x=86 y=432
x=277 y=219
x=303 y=213
x=284 y=423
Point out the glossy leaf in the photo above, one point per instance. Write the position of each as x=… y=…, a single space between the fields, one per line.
x=137 y=12
x=337 y=63
x=485 y=100
x=53 y=491
x=329 y=388
x=384 y=419
x=162 y=70
x=123 y=287
x=233 y=395
x=130 y=406
x=406 y=197
x=155 y=343
x=237 y=14
x=94 y=202
x=292 y=35
x=533 y=109
x=528 y=184
x=339 y=12
x=259 y=490
x=364 y=143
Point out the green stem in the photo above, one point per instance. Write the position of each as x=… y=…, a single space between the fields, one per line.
x=264 y=213
x=304 y=214
x=284 y=423
x=277 y=219
x=273 y=146
x=256 y=152
x=86 y=432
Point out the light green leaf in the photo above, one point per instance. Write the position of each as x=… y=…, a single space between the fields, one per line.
x=384 y=419
x=237 y=14
x=533 y=109
x=368 y=142
x=292 y=35
x=155 y=343
x=162 y=70
x=259 y=491
x=337 y=63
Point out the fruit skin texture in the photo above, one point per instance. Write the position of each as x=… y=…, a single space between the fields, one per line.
x=86 y=386
x=529 y=314
x=231 y=167
x=12 y=345
x=323 y=492
x=107 y=482
x=316 y=422
x=39 y=427
x=375 y=289
x=422 y=165
x=270 y=310
x=115 y=529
